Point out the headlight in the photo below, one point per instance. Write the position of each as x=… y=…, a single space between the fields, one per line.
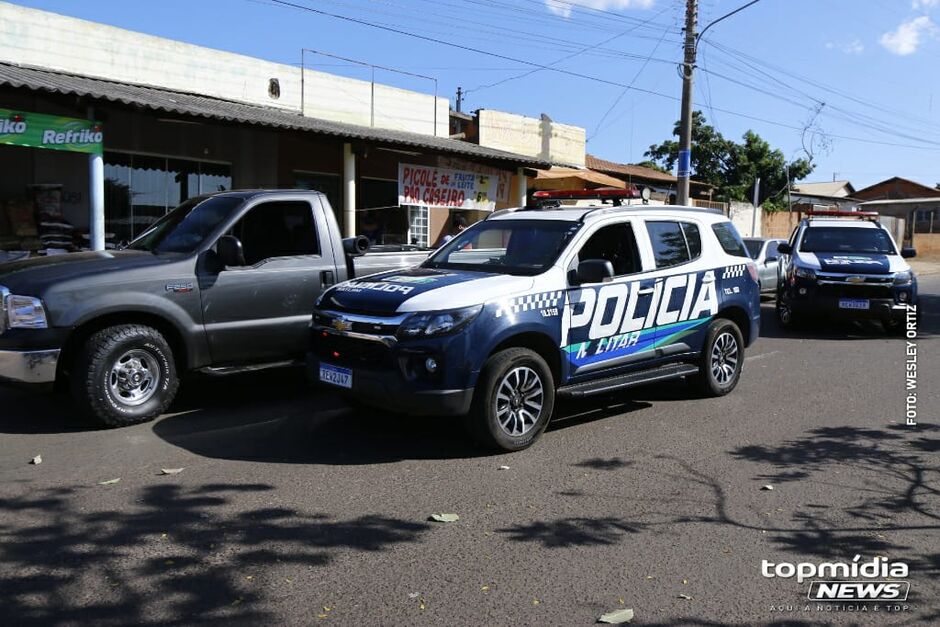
x=903 y=278
x=805 y=273
x=437 y=322
x=25 y=312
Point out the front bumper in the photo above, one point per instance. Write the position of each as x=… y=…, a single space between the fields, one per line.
x=386 y=389
x=28 y=367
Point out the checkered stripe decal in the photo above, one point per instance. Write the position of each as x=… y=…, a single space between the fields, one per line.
x=530 y=302
x=732 y=272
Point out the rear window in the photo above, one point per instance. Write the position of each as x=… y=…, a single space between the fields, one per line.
x=730 y=239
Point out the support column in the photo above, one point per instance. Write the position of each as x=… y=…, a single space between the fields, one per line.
x=521 y=186
x=349 y=190
x=95 y=197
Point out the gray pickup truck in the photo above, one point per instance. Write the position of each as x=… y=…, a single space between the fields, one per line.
x=222 y=284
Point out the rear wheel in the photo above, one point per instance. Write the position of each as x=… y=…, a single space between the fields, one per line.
x=722 y=358
x=124 y=375
x=513 y=401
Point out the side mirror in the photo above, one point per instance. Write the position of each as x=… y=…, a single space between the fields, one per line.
x=907 y=252
x=784 y=249
x=230 y=251
x=594 y=271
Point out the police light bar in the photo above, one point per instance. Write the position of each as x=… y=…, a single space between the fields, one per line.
x=588 y=194
x=861 y=215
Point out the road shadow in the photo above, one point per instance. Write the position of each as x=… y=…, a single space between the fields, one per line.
x=33 y=411
x=175 y=555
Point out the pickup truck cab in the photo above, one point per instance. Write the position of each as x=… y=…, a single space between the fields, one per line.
x=846 y=266
x=223 y=283
x=534 y=303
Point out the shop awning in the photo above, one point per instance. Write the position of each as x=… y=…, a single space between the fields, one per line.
x=214 y=108
x=574 y=178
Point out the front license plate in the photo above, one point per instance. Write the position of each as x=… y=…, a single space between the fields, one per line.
x=853 y=303
x=335 y=375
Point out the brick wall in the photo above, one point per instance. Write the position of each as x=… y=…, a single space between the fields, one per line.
x=927 y=245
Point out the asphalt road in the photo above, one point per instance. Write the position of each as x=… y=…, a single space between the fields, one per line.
x=293 y=509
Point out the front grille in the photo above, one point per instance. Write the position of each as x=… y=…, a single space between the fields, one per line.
x=375 y=326
x=856 y=291
x=351 y=352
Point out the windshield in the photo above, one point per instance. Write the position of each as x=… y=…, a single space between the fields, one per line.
x=186 y=227
x=834 y=239
x=753 y=247
x=521 y=247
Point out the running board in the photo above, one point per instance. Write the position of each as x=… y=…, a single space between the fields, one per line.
x=611 y=384
x=221 y=371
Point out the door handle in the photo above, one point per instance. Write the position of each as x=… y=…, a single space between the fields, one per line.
x=326 y=278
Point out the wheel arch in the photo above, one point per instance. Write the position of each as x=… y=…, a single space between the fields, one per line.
x=171 y=333
x=740 y=318
x=540 y=343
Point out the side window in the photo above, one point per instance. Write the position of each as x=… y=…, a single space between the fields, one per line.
x=669 y=246
x=614 y=243
x=729 y=239
x=693 y=239
x=277 y=229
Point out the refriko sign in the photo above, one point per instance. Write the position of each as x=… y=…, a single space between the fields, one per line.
x=428 y=186
x=36 y=130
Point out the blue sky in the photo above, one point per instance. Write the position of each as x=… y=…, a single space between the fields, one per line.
x=869 y=67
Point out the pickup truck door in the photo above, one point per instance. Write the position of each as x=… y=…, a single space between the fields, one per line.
x=260 y=311
x=767 y=265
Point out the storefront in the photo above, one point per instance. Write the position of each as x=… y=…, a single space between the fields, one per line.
x=156 y=149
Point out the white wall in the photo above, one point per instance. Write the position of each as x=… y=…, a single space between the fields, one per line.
x=741 y=215
x=48 y=40
x=561 y=144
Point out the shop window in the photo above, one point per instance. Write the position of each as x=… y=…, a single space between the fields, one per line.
x=141 y=189
x=328 y=184
x=378 y=215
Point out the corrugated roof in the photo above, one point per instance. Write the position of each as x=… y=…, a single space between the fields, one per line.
x=626 y=169
x=202 y=106
x=825 y=188
x=585 y=176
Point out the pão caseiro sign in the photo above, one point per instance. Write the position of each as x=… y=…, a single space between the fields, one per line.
x=36 y=130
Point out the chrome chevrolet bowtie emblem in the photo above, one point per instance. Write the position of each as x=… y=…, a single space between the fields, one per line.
x=855 y=279
x=341 y=324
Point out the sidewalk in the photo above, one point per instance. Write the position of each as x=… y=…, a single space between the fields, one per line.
x=924 y=267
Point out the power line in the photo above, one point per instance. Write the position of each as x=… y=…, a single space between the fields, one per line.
x=293 y=5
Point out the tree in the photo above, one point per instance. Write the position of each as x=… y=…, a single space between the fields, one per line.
x=652 y=165
x=732 y=167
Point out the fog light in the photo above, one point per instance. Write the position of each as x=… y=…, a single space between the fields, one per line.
x=802 y=291
x=902 y=297
x=430 y=364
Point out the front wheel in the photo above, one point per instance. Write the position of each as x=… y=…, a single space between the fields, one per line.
x=124 y=375
x=722 y=358
x=513 y=401
x=785 y=314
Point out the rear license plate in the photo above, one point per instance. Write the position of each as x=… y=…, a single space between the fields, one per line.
x=335 y=375
x=853 y=303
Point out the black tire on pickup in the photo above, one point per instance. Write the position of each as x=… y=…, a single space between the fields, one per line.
x=124 y=375
x=513 y=401
x=786 y=317
x=722 y=358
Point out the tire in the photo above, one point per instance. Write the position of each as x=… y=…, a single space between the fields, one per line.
x=722 y=358
x=786 y=317
x=109 y=365
x=513 y=383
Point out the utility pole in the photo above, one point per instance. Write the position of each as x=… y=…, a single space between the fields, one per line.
x=756 y=207
x=459 y=99
x=685 y=124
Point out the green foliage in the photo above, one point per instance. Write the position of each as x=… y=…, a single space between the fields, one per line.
x=652 y=165
x=732 y=167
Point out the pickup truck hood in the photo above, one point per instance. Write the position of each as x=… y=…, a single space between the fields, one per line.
x=850 y=263
x=422 y=289
x=33 y=276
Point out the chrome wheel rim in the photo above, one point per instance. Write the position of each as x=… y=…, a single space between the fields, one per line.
x=134 y=377
x=519 y=399
x=724 y=358
x=784 y=310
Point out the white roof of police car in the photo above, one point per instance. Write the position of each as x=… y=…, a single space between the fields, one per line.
x=844 y=222
x=573 y=214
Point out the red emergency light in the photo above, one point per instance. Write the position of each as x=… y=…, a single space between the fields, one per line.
x=587 y=194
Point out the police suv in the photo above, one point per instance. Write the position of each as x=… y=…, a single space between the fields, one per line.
x=540 y=302
x=844 y=265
